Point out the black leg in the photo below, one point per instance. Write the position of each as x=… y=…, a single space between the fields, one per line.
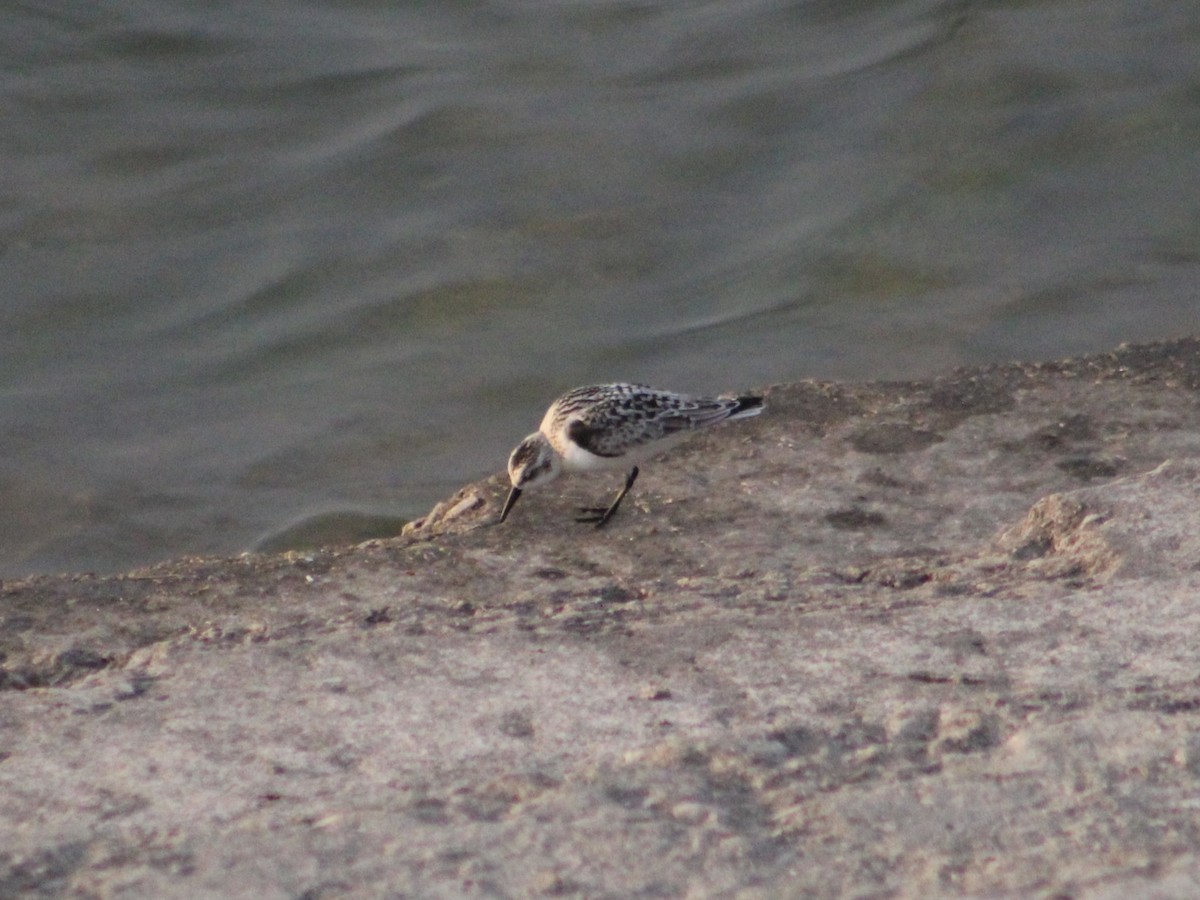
x=598 y=514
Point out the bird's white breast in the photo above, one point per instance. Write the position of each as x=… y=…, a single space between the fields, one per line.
x=576 y=459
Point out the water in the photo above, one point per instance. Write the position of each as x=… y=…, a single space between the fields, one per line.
x=290 y=265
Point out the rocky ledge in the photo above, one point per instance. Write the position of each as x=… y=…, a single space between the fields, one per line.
x=902 y=639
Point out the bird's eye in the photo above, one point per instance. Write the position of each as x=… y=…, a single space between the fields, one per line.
x=533 y=473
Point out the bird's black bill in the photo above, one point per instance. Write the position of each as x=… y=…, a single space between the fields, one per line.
x=513 y=496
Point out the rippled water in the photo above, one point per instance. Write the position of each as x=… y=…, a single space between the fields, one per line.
x=287 y=264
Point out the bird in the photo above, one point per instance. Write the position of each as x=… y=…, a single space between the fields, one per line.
x=612 y=426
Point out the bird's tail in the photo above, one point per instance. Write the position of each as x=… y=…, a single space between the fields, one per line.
x=747 y=406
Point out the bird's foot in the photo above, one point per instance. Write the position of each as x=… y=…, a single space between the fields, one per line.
x=594 y=515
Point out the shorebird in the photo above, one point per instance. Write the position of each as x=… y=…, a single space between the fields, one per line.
x=612 y=426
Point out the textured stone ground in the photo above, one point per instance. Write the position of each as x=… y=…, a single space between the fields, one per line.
x=916 y=639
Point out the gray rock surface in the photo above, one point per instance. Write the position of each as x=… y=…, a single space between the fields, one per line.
x=915 y=639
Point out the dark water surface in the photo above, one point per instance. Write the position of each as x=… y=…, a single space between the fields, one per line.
x=271 y=262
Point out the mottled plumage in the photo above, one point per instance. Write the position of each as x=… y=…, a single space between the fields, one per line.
x=612 y=426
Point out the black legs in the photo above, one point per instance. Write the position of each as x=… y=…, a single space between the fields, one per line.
x=598 y=515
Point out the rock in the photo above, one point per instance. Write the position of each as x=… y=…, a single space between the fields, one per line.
x=921 y=639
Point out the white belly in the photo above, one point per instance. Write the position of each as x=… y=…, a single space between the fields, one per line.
x=576 y=459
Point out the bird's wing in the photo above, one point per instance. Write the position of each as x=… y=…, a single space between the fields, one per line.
x=609 y=439
x=614 y=429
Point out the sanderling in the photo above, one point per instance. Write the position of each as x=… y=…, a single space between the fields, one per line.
x=612 y=426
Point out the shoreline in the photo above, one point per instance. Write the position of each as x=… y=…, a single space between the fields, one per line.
x=930 y=638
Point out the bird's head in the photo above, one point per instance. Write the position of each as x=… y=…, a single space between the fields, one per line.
x=532 y=464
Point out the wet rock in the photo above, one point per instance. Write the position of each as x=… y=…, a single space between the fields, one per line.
x=922 y=639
